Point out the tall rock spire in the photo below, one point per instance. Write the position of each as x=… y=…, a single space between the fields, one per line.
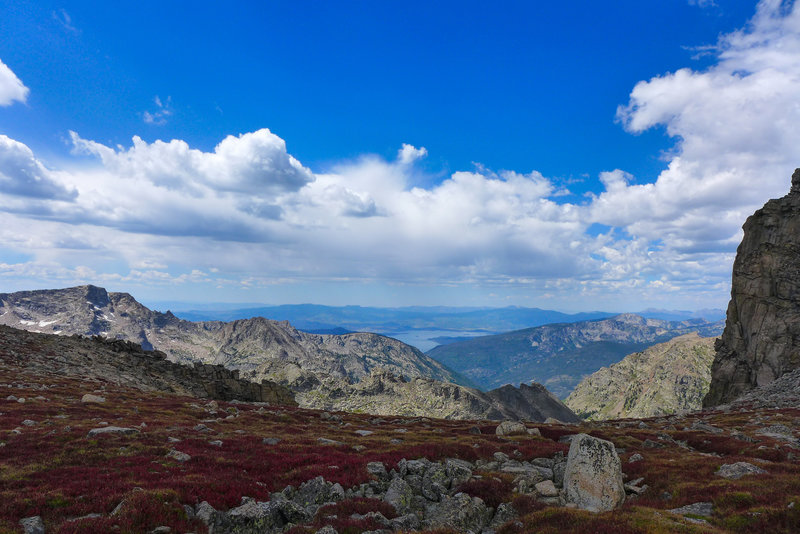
x=761 y=340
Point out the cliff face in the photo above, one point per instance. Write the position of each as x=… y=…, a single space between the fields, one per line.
x=667 y=378
x=761 y=340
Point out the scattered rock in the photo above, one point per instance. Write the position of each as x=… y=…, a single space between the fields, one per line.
x=270 y=441
x=112 y=430
x=510 y=428
x=546 y=488
x=459 y=512
x=400 y=495
x=738 y=470
x=364 y=433
x=29 y=422
x=32 y=525
x=593 y=475
x=703 y=509
x=178 y=456
x=95 y=399
x=635 y=458
x=326 y=441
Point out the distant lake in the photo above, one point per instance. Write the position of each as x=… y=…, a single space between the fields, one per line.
x=424 y=339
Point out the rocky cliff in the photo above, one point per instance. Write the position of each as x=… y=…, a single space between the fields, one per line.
x=761 y=340
x=671 y=377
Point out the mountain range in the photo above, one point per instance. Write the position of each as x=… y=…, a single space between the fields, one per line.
x=355 y=372
x=560 y=355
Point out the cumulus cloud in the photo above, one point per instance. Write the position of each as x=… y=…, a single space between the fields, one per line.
x=22 y=175
x=737 y=126
x=11 y=88
x=408 y=154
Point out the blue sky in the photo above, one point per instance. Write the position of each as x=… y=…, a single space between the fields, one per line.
x=574 y=155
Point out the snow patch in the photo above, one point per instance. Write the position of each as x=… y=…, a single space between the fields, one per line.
x=27 y=323
x=45 y=323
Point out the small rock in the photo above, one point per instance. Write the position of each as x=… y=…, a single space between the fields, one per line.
x=534 y=432
x=161 y=530
x=112 y=430
x=170 y=439
x=704 y=509
x=200 y=427
x=650 y=444
x=510 y=428
x=12 y=398
x=326 y=441
x=378 y=470
x=635 y=458
x=364 y=433
x=546 y=488
x=400 y=495
x=178 y=456
x=738 y=470
x=29 y=422
x=89 y=398
x=474 y=430
x=216 y=443
x=705 y=427
x=32 y=525
x=270 y=441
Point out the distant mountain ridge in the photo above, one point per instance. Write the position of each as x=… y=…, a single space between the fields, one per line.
x=357 y=371
x=382 y=320
x=559 y=356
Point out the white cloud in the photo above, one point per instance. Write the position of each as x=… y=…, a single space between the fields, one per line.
x=11 y=88
x=408 y=154
x=737 y=126
x=162 y=112
x=22 y=175
x=249 y=214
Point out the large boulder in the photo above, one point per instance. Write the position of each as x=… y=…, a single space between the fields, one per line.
x=763 y=318
x=593 y=475
x=459 y=512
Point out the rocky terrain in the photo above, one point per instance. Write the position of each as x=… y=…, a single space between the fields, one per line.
x=92 y=455
x=559 y=356
x=762 y=330
x=352 y=372
x=671 y=377
x=385 y=393
x=125 y=363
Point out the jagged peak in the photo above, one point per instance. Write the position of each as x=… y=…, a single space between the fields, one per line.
x=795 y=190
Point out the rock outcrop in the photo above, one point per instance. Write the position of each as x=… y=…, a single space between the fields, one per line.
x=761 y=341
x=671 y=377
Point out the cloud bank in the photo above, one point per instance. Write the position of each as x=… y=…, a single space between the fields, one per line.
x=249 y=214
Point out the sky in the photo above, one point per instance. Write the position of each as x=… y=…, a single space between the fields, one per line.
x=578 y=155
